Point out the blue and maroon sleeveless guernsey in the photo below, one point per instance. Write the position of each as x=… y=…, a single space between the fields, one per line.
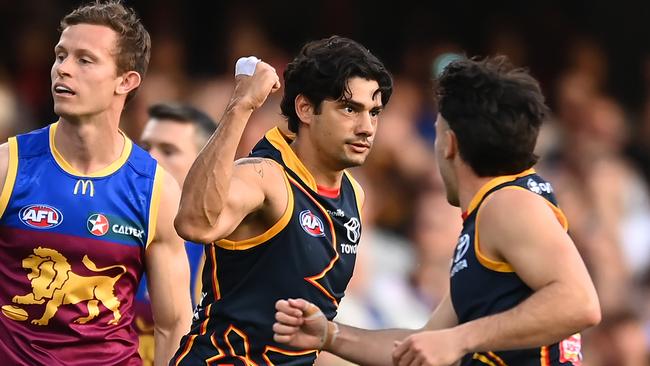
x=309 y=253
x=72 y=254
x=481 y=286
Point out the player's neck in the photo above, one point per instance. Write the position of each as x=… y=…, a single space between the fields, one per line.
x=322 y=169
x=89 y=145
x=468 y=187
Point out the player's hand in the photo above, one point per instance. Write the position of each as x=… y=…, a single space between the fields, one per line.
x=432 y=348
x=300 y=324
x=252 y=90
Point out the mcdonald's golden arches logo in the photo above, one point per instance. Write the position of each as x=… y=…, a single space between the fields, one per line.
x=86 y=185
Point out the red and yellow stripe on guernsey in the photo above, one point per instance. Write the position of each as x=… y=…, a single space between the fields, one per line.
x=220 y=353
x=284 y=352
x=489 y=358
x=190 y=341
x=246 y=359
x=314 y=279
x=544 y=357
x=215 y=280
x=186 y=349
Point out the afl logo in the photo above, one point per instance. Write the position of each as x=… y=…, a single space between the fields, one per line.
x=97 y=224
x=40 y=216
x=311 y=223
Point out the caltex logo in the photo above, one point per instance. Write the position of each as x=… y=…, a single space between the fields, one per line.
x=97 y=224
x=311 y=223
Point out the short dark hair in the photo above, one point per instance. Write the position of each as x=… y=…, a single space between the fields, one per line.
x=322 y=70
x=185 y=113
x=134 y=42
x=495 y=110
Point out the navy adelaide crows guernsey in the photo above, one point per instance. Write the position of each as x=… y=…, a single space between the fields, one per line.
x=309 y=253
x=481 y=286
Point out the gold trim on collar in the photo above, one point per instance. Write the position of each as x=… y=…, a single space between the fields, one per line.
x=493 y=183
x=281 y=142
x=112 y=168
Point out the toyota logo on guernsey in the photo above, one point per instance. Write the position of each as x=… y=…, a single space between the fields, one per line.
x=97 y=224
x=311 y=223
x=40 y=216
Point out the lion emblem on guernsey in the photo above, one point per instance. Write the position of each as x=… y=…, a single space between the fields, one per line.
x=54 y=282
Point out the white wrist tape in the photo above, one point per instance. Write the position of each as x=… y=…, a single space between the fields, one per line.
x=331 y=331
x=246 y=65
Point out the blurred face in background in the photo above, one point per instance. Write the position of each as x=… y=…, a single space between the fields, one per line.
x=174 y=144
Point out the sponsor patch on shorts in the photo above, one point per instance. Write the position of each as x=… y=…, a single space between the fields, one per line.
x=570 y=350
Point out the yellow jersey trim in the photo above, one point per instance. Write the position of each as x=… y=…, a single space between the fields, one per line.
x=220 y=353
x=246 y=358
x=483 y=359
x=268 y=349
x=186 y=349
x=493 y=183
x=281 y=142
x=110 y=169
x=544 y=357
x=155 y=203
x=216 y=289
x=10 y=180
x=503 y=266
x=358 y=193
x=268 y=234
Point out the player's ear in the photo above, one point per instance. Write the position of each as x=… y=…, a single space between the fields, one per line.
x=304 y=109
x=451 y=144
x=127 y=82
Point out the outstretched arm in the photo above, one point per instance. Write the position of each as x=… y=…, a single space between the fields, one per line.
x=169 y=277
x=302 y=325
x=217 y=196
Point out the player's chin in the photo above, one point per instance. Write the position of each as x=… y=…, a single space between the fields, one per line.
x=355 y=160
x=63 y=109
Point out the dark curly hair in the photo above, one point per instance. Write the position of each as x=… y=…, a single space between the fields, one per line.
x=322 y=70
x=134 y=42
x=495 y=110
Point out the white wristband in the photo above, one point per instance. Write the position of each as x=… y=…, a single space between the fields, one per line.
x=246 y=65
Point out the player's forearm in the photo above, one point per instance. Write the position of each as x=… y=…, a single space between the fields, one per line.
x=366 y=347
x=170 y=325
x=167 y=342
x=206 y=187
x=546 y=317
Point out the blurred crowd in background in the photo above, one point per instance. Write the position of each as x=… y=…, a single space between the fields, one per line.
x=592 y=59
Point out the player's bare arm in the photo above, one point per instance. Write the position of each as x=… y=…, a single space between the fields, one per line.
x=4 y=163
x=543 y=255
x=217 y=194
x=169 y=277
x=302 y=325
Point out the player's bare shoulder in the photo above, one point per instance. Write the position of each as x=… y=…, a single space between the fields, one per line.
x=265 y=170
x=267 y=173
